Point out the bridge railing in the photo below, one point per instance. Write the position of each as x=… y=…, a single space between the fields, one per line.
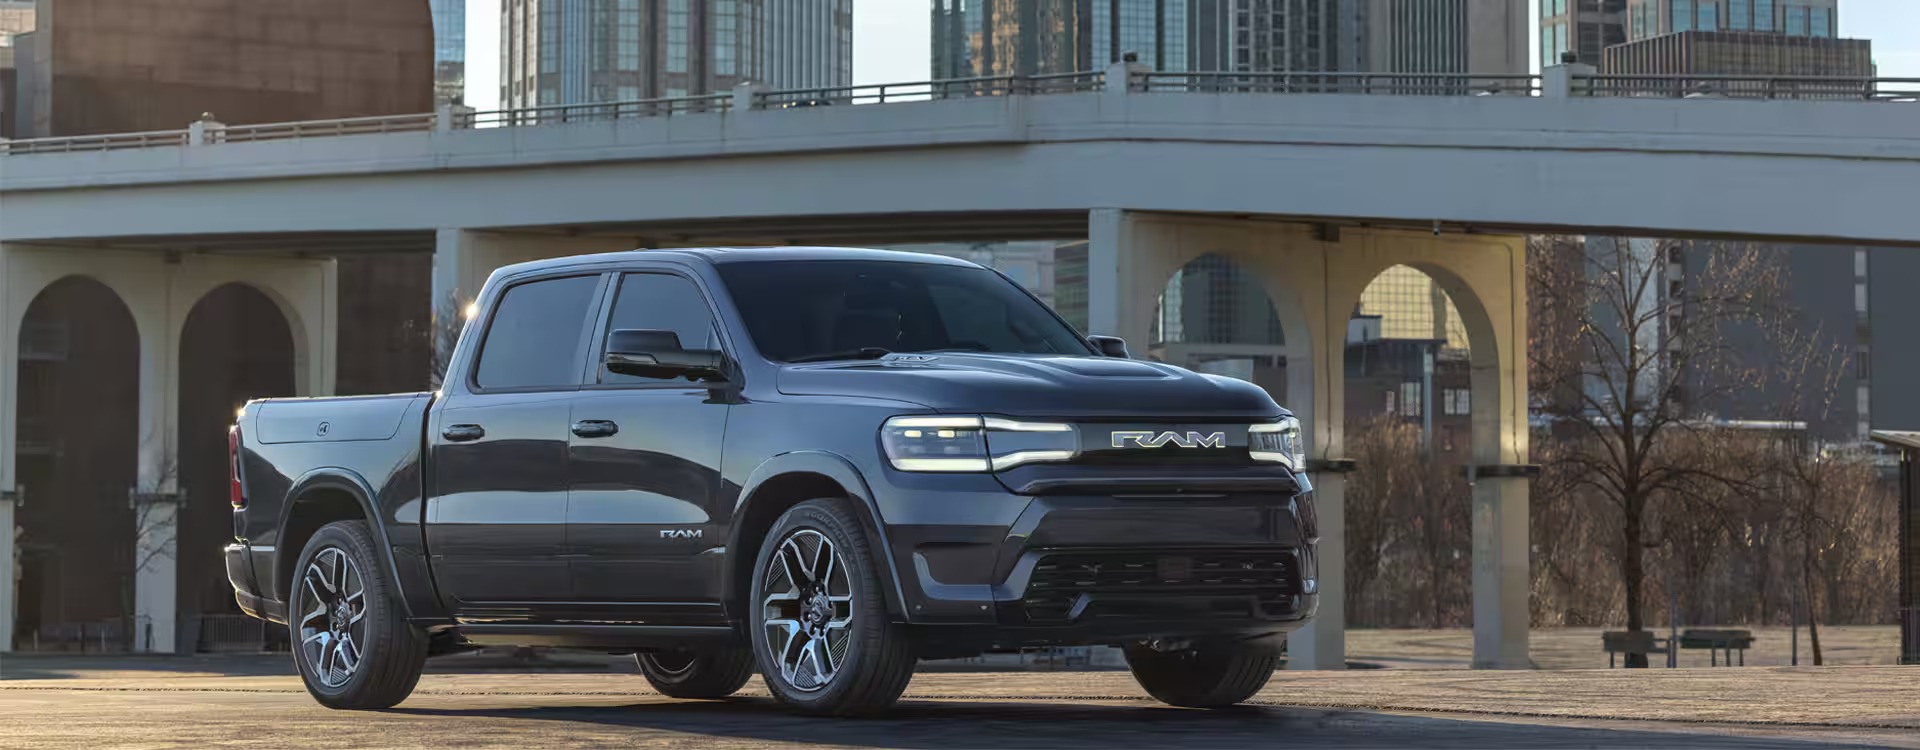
x=920 y=91
x=108 y=142
x=596 y=112
x=276 y=131
x=1389 y=84
x=1902 y=90
x=1818 y=88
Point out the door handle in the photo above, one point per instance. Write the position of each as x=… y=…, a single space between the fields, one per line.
x=595 y=428
x=461 y=433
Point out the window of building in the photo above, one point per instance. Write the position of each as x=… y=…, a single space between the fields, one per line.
x=676 y=36
x=1682 y=15
x=1740 y=15
x=1410 y=399
x=1796 y=20
x=533 y=338
x=1763 y=15
x=1821 y=22
x=1863 y=364
x=1860 y=263
x=1709 y=17
x=1457 y=402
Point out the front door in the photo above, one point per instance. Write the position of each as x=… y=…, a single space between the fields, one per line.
x=642 y=518
x=497 y=507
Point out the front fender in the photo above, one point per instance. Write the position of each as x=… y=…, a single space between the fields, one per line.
x=842 y=472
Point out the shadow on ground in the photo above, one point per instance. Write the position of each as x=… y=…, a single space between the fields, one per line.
x=943 y=724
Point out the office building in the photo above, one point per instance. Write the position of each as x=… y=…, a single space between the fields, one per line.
x=1038 y=37
x=116 y=66
x=578 y=51
x=1445 y=36
x=1584 y=27
x=449 y=50
x=1743 y=53
x=16 y=17
x=1805 y=18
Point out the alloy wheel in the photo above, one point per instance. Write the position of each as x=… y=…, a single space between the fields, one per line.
x=808 y=610
x=333 y=629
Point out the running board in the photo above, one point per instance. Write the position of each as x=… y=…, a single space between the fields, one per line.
x=594 y=636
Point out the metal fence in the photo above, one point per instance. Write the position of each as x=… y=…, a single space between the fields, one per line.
x=920 y=91
x=1383 y=84
x=1816 y=88
x=596 y=112
x=278 y=131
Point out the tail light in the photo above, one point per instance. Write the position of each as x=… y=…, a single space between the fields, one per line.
x=235 y=494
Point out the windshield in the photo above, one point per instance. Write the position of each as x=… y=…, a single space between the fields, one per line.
x=806 y=310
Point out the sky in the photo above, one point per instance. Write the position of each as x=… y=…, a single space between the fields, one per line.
x=891 y=41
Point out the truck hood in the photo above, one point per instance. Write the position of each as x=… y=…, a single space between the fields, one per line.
x=1035 y=385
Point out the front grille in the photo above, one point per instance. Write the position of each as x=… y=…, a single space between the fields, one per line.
x=1068 y=586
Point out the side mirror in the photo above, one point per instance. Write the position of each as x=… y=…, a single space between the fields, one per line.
x=657 y=354
x=1112 y=346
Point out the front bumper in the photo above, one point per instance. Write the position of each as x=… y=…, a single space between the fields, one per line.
x=1086 y=568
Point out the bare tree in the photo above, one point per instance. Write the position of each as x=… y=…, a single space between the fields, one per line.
x=449 y=320
x=1637 y=359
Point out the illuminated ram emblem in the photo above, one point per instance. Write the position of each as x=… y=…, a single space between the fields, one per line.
x=1147 y=439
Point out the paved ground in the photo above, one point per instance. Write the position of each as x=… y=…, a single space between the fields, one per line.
x=91 y=702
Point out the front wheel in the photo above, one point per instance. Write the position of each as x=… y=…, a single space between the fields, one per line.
x=1207 y=675
x=819 y=625
x=352 y=643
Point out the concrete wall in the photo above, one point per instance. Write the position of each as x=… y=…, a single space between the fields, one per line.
x=1659 y=167
x=1896 y=338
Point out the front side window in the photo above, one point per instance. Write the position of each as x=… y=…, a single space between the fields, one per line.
x=661 y=302
x=804 y=310
x=533 y=339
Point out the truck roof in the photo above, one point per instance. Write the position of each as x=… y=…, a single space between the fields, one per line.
x=723 y=255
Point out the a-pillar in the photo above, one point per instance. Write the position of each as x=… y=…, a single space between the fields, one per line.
x=464 y=258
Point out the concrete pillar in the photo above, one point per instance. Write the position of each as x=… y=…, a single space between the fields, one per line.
x=1501 y=573
x=9 y=374
x=1565 y=80
x=1120 y=290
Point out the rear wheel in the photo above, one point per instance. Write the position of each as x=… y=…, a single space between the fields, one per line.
x=819 y=626
x=697 y=674
x=1207 y=675
x=352 y=643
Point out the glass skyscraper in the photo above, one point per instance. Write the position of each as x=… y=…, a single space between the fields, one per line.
x=1803 y=18
x=581 y=51
x=449 y=50
x=1037 y=37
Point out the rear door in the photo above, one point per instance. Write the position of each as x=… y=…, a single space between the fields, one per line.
x=643 y=519
x=497 y=508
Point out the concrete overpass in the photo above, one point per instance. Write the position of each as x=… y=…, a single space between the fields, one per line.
x=1314 y=193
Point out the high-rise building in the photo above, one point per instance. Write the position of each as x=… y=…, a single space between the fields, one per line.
x=1446 y=36
x=116 y=66
x=1038 y=37
x=449 y=50
x=1812 y=18
x=16 y=17
x=1743 y=53
x=578 y=51
x=1584 y=27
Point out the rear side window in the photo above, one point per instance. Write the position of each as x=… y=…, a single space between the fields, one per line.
x=533 y=340
x=660 y=302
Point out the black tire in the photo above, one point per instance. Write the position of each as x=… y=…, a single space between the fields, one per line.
x=697 y=675
x=1210 y=675
x=876 y=655
x=391 y=651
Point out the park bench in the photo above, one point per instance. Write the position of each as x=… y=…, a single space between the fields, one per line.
x=1718 y=641
x=1631 y=642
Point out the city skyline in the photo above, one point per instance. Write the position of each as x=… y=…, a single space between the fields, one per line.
x=892 y=41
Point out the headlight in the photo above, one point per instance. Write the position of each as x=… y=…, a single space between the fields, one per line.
x=1278 y=442
x=929 y=443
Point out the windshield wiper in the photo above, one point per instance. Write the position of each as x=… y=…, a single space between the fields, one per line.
x=865 y=352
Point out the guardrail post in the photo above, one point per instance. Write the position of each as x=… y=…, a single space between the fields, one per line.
x=448 y=117
x=205 y=131
x=1119 y=79
x=1558 y=81
x=746 y=95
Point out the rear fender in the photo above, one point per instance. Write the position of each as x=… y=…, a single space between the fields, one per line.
x=413 y=592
